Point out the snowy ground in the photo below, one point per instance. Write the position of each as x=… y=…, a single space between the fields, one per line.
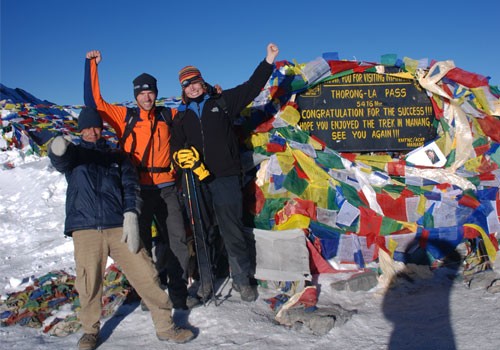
x=434 y=313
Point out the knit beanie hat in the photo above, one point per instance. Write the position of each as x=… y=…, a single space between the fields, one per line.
x=89 y=118
x=145 y=82
x=190 y=74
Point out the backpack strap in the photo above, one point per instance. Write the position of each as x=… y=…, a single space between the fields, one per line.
x=131 y=119
x=165 y=113
x=219 y=99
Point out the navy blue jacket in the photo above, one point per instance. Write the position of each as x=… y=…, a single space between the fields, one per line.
x=102 y=185
x=206 y=127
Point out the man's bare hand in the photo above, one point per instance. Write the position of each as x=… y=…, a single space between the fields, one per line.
x=94 y=54
x=272 y=53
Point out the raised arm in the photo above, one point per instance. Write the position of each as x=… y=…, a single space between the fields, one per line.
x=239 y=97
x=114 y=115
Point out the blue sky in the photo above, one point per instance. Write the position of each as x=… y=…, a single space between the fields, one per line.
x=43 y=43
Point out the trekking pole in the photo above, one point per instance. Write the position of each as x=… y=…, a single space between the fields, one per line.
x=191 y=217
x=198 y=233
x=206 y=248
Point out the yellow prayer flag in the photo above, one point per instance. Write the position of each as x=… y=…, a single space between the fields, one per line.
x=297 y=68
x=312 y=170
x=421 y=205
x=473 y=163
x=391 y=246
x=294 y=222
x=290 y=115
x=377 y=161
x=442 y=144
x=412 y=226
x=256 y=140
x=318 y=193
x=477 y=128
x=490 y=249
x=316 y=145
x=402 y=75
x=285 y=160
x=411 y=65
x=481 y=100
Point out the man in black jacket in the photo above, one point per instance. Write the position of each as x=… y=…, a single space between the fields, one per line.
x=102 y=204
x=203 y=134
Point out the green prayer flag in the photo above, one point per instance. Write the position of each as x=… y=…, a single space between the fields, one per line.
x=291 y=133
x=332 y=203
x=294 y=183
x=352 y=195
x=389 y=226
x=329 y=160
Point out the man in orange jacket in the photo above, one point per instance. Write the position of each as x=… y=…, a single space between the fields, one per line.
x=148 y=145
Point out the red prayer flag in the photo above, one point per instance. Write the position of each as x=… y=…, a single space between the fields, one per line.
x=423 y=239
x=393 y=208
x=396 y=168
x=301 y=174
x=349 y=156
x=369 y=222
x=265 y=126
x=469 y=201
x=275 y=147
x=470 y=233
x=481 y=149
x=490 y=126
x=341 y=66
x=468 y=79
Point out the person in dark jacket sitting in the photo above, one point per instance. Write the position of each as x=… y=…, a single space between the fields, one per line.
x=102 y=205
x=203 y=140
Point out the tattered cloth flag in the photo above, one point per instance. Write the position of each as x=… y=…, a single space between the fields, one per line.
x=52 y=302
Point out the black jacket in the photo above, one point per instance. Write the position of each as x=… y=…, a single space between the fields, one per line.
x=102 y=185
x=212 y=134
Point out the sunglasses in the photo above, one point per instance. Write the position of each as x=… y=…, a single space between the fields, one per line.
x=188 y=82
x=144 y=87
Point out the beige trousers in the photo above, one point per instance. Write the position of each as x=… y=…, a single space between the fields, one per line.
x=92 y=248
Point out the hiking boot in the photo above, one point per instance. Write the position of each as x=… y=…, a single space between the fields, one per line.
x=144 y=307
x=236 y=287
x=205 y=292
x=182 y=305
x=176 y=334
x=88 y=341
x=192 y=302
x=247 y=293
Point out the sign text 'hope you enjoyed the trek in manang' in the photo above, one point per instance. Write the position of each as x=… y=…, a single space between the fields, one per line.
x=368 y=112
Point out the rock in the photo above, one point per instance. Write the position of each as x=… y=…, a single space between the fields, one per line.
x=316 y=321
x=359 y=282
x=494 y=287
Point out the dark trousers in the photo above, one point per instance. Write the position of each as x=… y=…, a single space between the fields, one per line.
x=223 y=200
x=163 y=205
